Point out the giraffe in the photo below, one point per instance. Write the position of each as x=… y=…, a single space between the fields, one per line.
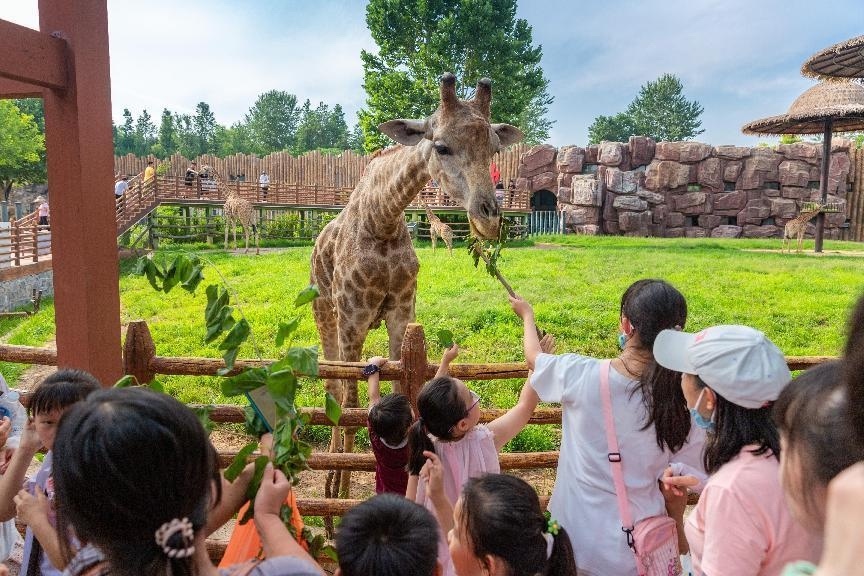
x=438 y=229
x=235 y=210
x=797 y=226
x=363 y=261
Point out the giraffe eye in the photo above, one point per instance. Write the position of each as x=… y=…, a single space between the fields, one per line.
x=442 y=150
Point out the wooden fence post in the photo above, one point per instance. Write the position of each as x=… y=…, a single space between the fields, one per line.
x=16 y=241
x=35 y=241
x=138 y=350
x=414 y=363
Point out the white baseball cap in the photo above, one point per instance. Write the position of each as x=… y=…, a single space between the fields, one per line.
x=738 y=362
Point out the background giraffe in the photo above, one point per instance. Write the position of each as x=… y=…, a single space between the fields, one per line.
x=797 y=226
x=438 y=229
x=363 y=261
x=236 y=210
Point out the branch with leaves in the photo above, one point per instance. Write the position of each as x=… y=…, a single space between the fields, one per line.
x=280 y=379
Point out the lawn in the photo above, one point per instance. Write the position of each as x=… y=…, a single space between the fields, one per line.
x=575 y=283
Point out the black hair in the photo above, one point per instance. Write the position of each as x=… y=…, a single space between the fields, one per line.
x=652 y=306
x=811 y=415
x=440 y=408
x=388 y=535
x=499 y=186
x=501 y=516
x=62 y=389
x=127 y=461
x=390 y=417
x=854 y=370
x=736 y=427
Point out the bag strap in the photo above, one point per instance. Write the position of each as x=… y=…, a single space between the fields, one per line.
x=614 y=454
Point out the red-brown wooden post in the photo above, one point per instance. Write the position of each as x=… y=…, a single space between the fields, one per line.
x=35 y=241
x=414 y=363
x=16 y=241
x=80 y=152
x=138 y=350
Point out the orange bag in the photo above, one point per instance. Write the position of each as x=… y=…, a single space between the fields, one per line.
x=245 y=543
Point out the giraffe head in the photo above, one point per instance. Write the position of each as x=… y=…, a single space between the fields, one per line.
x=459 y=142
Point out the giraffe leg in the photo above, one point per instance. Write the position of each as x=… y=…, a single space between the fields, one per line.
x=434 y=237
x=227 y=224
x=246 y=235
x=351 y=338
x=800 y=241
x=448 y=240
x=234 y=231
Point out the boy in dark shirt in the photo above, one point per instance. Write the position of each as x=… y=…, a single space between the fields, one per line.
x=389 y=419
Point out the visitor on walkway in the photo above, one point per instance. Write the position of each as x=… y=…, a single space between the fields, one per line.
x=43 y=210
x=264 y=183
x=120 y=189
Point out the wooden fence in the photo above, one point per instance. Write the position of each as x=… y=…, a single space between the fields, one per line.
x=313 y=168
x=23 y=241
x=855 y=198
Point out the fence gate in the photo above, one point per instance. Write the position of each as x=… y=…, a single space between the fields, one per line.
x=545 y=222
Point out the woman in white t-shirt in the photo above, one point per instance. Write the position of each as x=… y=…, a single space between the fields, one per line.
x=742 y=524
x=651 y=420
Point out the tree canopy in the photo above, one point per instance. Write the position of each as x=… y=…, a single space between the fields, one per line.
x=419 y=40
x=22 y=147
x=660 y=111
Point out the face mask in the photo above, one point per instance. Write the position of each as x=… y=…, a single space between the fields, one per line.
x=622 y=340
x=699 y=420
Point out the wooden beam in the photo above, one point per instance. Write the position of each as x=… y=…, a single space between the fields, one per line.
x=32 y=57
x=80 y=153
x=15 y=89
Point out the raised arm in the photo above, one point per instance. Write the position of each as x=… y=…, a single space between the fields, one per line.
x=12 y=481
x=433 y=472
x=449 y=355
x=530 y=339
x=374 y=380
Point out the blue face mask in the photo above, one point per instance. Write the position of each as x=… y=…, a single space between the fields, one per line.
x=622 y=340
x=699 y=420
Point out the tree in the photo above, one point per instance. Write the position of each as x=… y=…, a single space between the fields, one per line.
x=22 y=146
x=204 y=126
x=234 y=140
x=660 y=111
x=272 y=121
x=321 y=128
x=166 y=143
x=125 y=135
x=145 y=134
x=418 y=40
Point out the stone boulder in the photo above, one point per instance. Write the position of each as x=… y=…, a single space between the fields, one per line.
x=580 y=216
x=732 y=171
x=794 y=173
x=570 y=159
x=726 y=231
x=810 y=153
x=710 y=174
x=540 y=158
x=682 y=151
x=732 y=152
x=585 y=191
x=730 y=201
x=754 y=212
x=783 y=208
x=650 y=197
x=692 y=203
x=838 y=173
x=543 y=181
x=629 y=203
x=622 y=182
x=641 y=150
x=611 y=153
x=676 y=232
x=675 y=219
x=564 y=179
x=695 y=232
x=795 y=192
x=565 y=195
x=592 y=151
x=666 y=174
x=767 y=231
x=710 y=221
x=635 y=223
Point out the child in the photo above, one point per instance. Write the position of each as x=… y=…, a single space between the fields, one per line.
x=498 y=527
x=387 y=536
x=136 y=476
x=730 y=377
x=449 y=427
x=35 y=504
x=389 y=419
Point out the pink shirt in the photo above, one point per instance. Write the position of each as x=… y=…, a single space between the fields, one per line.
x=742 y=524
x=43 y=209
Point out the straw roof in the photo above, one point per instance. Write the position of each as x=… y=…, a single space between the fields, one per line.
x=843 y=60
x=841 y=101
x=39 y=198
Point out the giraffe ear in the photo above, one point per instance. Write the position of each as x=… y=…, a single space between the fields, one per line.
x=408 y=132
x=507 y=134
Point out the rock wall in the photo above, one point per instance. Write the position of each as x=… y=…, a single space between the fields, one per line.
x=17 y=291
x=675 y=189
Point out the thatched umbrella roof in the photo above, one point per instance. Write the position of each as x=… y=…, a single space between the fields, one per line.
x=843 y=60
x=843 y=102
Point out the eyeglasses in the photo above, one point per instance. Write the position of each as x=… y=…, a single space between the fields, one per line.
x=476 y=400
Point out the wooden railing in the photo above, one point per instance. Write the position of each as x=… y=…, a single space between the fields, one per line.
x=24 y=241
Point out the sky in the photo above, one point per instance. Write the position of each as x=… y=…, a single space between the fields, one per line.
x=739 y=58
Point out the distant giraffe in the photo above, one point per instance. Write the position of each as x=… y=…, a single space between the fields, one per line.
x=236 y=210
x=438 y=229
x=797 y=226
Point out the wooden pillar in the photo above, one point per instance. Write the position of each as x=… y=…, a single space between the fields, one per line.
x=138 y=350
x=80 y=153
x=823 y=184
x=414 y=363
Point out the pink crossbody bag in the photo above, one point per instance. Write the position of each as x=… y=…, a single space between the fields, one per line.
x=654 y=540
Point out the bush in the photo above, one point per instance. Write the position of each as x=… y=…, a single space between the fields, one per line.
x=535 y=438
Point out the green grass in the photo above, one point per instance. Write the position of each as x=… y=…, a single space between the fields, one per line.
x=574 y=282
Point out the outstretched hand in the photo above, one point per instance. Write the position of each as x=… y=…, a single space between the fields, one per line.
x=547 y=344
x=450 y=354
x=521 y=307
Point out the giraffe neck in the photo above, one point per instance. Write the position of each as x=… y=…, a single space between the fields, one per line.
x=392 y=181
x=806 y=216
x=430 y=214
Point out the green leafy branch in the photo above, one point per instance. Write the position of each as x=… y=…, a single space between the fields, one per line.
x=280 y=379
x=490 y=253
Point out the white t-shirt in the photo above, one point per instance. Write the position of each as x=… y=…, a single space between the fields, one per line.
x=264 y=180
x=742 y=524
x=121 y=187
x=583 y=500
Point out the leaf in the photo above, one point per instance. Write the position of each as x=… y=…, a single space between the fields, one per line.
x=238 y=334
x=239 y=462
x=304 y=360
x=306 y=295
x=203 y=414
x=126 y=381
x=282 y=384
x=332 y=409
x=217 y=298
x=286 y=329
x=156 y=386
x=170 y=279
x=445 y=338
x=229 y=357
x=246 y=381
x=190 y=283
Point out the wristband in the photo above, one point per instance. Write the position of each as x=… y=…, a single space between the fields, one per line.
x=371 y=369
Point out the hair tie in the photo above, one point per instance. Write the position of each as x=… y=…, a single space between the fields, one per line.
x=552 y=526
x=168 y=530
x=550 y=543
